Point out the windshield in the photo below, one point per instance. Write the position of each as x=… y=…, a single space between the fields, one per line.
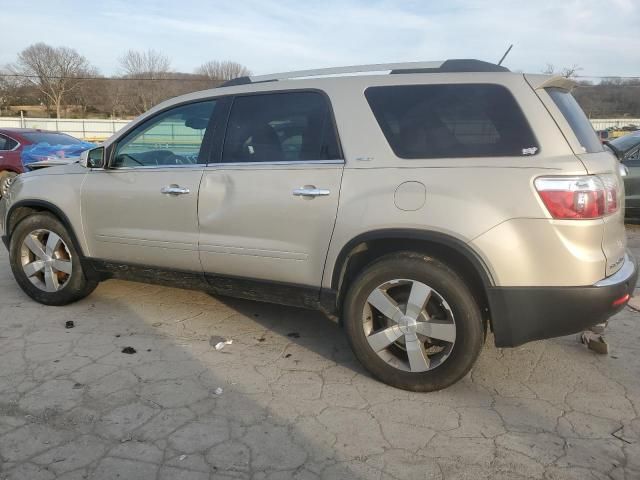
x=52 y=138
x=626 y=142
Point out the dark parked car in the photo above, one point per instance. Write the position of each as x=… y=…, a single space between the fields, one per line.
x=19 y=146
x=627 y=148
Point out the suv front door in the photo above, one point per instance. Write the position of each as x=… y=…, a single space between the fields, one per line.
x=267 y=207
x=142 y=208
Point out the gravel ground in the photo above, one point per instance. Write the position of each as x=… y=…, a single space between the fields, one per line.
x=287 y=399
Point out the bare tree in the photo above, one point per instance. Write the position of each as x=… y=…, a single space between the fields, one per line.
x=221 y=71
x=147 y=73
x=567 y=72
x=149 y=64
x=10 y=87
x=55 y=71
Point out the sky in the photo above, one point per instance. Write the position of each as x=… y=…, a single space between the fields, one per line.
x=600 y=36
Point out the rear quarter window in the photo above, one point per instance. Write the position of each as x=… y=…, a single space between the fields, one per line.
x=577 y=120
x=448 y=121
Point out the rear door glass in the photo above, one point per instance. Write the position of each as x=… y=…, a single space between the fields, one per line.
x=445 y=121
x=280 y=127
x=577 y=120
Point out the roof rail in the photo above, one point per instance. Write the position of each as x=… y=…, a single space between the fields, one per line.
x=375 y=67
x=446 y=66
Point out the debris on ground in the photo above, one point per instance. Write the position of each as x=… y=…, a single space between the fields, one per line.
x=219 y=342
x=77 y=386
x=293 y=335
x=595 y=341
x=261 y=339
x=218 y=391
x=182 y=457
x=69 y=324
x=287 y=355
x=129 y=350
x=157 y=324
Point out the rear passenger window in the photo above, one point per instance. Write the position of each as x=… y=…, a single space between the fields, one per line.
x=7 y=143
x=576 y=119
x=277 y=127
x=444 y=121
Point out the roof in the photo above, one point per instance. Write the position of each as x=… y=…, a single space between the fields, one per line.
x=25 y=130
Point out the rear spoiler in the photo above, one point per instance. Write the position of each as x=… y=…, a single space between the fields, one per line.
x=539 y=82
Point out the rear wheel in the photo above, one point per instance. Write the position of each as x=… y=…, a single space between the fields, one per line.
x=413 y=323
x=45 y=262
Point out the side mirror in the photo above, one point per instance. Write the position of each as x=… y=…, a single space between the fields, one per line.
x=93 y=158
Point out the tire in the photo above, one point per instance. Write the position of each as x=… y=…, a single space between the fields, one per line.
x=450 y=312
x=50 y=285
x=5 y=177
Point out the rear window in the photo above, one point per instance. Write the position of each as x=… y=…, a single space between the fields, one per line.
x=626 y=142
x=51 y=138
x=577 y=120
x=444 y=121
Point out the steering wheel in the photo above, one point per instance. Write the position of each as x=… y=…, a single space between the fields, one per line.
x=167 y=157
x=123 y=156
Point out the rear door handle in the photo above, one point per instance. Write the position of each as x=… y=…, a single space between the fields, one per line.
x=174 y=189
x=311 y=191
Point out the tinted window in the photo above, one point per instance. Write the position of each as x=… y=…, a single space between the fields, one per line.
x=440 y=121
x=51 y=138
x=576 y=119
x=280 y=127
x=7 y=143
x=171 y=138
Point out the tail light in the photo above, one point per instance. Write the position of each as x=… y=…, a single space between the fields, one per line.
x=588 y=196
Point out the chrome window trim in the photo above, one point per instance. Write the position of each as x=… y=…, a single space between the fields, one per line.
x=156 y=167
x=282 y=162
x=11 y=138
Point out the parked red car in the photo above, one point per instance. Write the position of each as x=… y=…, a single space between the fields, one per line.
x=14 y=140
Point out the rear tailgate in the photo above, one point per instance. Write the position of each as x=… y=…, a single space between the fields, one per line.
x=575 y=126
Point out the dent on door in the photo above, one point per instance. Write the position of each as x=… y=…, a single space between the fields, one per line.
x=268 y=222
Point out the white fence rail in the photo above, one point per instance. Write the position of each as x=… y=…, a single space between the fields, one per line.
x=86 y=129
x=98 y=130
x=604 y=123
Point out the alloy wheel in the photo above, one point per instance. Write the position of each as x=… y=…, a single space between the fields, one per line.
x=46 y=260
x=409 y=325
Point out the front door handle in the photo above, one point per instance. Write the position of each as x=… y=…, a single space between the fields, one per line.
x=174 y=189
x=311 y=191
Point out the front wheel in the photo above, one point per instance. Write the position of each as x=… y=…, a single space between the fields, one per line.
x=45 y=263
x=413 y=323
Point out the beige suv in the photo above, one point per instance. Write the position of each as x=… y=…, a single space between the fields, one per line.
x=422 y=205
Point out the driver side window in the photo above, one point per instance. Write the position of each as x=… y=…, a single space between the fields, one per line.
x=172 y=138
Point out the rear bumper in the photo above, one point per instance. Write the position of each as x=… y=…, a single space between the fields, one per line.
x=524 y=314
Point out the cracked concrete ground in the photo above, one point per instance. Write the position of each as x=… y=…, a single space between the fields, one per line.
x=73 y=406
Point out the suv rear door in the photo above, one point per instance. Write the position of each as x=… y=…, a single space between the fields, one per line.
x=268 y=203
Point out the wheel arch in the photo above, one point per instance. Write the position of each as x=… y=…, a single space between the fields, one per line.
x=357 y=253
x=22 y=209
